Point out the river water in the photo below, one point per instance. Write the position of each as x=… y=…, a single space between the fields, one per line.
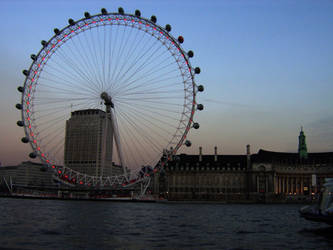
x=56 y=224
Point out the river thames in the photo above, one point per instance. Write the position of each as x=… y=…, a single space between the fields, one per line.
x=57 y=224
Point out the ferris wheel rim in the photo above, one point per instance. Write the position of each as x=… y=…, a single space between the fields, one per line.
x=46 y=53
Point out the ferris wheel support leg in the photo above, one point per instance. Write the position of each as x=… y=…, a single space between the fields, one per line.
x=116 y=138
x=144 y=186
x=104 y=143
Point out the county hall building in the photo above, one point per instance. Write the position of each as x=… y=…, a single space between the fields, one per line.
x=264 y=176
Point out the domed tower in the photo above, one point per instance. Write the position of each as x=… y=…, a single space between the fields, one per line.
x=302 y=149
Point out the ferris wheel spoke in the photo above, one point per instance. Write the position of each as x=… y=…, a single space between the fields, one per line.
x=98 y=55
x=140 y=88
x=68 y=75
x=137 y=70
x=151 y=72
x=159 y=103
x=152 y=121
x=164 y=113
x=104 y=55
x=164 y=108
x=148 y=92
x=87 y=58
x=51 y=108
x=139 y=134
x=53 y=100
x=141 y=128
x=83 y=56
x=131 y=50
x=127 y=141
x=57 y=89
x=57 y=148
x=75 y=68
x=140 y=83
x=120 y=56
x=165 y=88
x=114 y=58
x=50 y=125
x=44 y=123
x=63 y=92
x=101 y=49
x=50 y=133
x=143 y=117
x=64 y=83
x=60 y=111
x=111 y=51
x=151 y=59
x=92 y=49
x=136 y=64
x=151 y=110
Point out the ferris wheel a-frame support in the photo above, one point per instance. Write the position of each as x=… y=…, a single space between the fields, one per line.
x=109 y=113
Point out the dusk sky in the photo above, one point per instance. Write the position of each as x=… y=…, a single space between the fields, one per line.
x=267 y=67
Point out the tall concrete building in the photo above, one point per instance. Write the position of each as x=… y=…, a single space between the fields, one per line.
x=89 y=143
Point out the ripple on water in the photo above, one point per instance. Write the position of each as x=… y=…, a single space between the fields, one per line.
x=107 y=225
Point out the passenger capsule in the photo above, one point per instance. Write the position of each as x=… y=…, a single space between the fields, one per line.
x=153 y=19
x=25 y=139
x=180 y=39
x=138 y=13
x=168 y=27
x=25 y=72
x=71 y=21
x=104 y=11
x=201 y=88
x=86 y=14
x=56 y=31
x=197 y=70
x=33 y=57
x=44 y=43
x=121 y=11
x=32 y=155
x=20 y=89
x=18 y=106
x=200 y=107
x=188 y=143
x=190 y=53
x=20 y=123
x=196 y=125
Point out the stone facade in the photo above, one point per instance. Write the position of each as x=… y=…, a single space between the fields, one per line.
x=264 y=176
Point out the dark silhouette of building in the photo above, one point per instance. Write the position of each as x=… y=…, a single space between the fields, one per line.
x=264 y=176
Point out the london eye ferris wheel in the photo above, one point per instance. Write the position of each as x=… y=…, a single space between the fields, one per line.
x=133 y=83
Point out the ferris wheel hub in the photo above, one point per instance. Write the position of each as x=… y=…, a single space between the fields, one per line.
x=107 y=99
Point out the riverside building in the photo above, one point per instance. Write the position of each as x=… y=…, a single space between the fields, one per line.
x=26 y=175
x=264 y=176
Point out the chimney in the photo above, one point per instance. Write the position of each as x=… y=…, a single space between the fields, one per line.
x=200 y=153
x=215 y=154
x=248 y=157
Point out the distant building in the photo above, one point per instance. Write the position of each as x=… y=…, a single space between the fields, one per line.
x=89 y=143
x=263 y=176
x=26 y=175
